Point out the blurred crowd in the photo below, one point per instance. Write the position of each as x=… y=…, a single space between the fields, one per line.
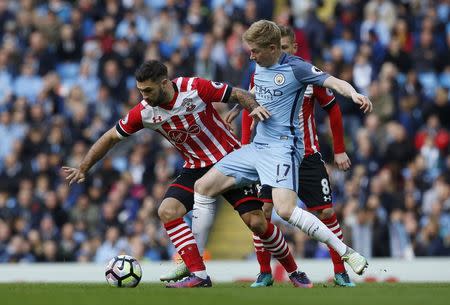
x=66 y=76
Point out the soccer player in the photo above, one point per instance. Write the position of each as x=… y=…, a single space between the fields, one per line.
x=314 y=183
x=275 y=155
x=181 y=110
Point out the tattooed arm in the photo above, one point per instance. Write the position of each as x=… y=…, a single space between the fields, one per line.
x=248 y=101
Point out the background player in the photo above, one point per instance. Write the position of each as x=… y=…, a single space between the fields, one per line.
x=314 y=189
x=181 y=110
x=277 y=151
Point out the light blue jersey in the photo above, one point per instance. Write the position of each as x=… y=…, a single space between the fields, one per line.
x=274 y=156
x=280 y=89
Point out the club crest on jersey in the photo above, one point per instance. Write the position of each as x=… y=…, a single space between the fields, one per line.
x=279 y=79
x=180 y=136
x=217 y=85
x=188 y=104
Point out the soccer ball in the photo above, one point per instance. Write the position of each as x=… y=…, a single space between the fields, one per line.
x=123 y=271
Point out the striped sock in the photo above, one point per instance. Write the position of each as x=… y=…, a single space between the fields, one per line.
x=262 y=255
x=275 y=243
x=182 y=238
x=333 y=224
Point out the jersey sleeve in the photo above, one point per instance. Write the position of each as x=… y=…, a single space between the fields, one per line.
x=252 y=82
x=247 y=120
x=131 y=123
x=337 y=127
x=324 y=96
x=212 y=92
x=305 y=73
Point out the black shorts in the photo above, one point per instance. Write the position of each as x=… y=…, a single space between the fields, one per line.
x=243 y=199
x=314 y=185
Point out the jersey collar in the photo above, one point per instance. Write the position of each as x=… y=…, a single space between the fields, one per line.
x=282 y=58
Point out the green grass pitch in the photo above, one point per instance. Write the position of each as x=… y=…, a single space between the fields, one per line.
x=229 y=294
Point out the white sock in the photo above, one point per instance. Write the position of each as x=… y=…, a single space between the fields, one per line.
x=201 y=274
x=202 y=219
x=313 y=227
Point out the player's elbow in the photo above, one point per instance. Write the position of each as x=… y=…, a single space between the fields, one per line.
x=336 y=84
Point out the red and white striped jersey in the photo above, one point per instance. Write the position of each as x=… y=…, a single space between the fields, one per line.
x=189 y=121
x=325 y=98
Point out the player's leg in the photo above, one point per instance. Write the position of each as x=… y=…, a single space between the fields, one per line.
x=248 y=206
x=279 y=167
x=210 y=185
x=285 y=204
x=262 y=255
x=177 y=202
x=341 y=277
x=207 y=188
x=315 y=192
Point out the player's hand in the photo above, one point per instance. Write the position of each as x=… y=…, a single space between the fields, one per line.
x=342 y=161
x=230 y=116
x=260 y=114
x=74 y=175
x=363 y=101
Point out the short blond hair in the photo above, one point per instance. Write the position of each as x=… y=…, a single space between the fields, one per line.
x=263 y=33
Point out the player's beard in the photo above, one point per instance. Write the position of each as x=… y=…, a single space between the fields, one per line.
x=163 y=96
x=161 y=99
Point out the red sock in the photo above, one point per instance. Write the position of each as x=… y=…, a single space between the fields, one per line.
x=262 y=255
x=333 y=225
x=182 y=238
x=274 y=242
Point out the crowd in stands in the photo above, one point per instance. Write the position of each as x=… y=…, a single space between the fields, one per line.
x=67 y=76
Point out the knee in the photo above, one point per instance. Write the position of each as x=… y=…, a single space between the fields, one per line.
x=168 y=213
x=256 y=223
x=284 y=211
x=326 y=213
x=201 y=187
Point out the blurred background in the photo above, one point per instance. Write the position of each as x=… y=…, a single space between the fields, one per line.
x=66 y=76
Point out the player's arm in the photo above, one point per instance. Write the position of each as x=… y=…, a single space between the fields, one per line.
x=97 y=151
x=327 y=101
x=248 y=101
x=246 y=121
x=337 y=129
x=347 y=90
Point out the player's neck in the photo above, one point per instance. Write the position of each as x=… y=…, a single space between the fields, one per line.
x=277 y=56
x=170 y=94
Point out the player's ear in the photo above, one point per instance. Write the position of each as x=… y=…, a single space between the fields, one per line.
x=295 y=47
x=164 y=82
x=273 y=47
